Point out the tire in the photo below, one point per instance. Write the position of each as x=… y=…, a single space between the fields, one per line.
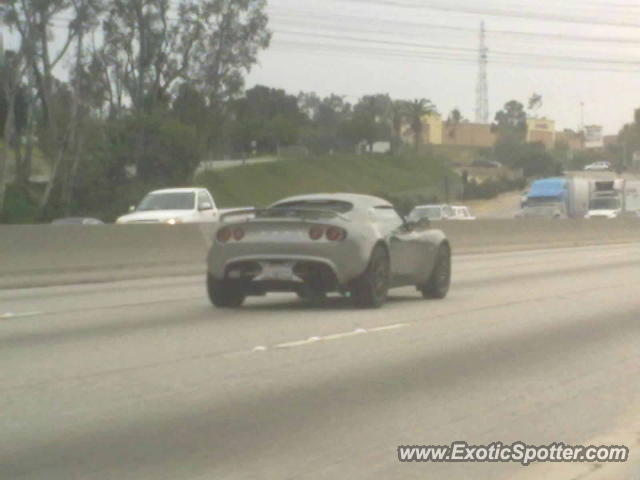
x=440 y=280
x=224 y=294
x=371 y=288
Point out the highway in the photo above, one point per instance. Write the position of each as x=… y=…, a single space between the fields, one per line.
x=143 y=379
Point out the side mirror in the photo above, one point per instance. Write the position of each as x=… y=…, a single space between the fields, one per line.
x=205 y=206
x=132 y=208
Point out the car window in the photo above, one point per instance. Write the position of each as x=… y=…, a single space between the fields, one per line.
x=387 y=214
x=322 y=204
x=168 y=201
x=204 y=200
x=604 y=204
x=432 y=213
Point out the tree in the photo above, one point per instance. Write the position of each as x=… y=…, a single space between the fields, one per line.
x=268 y=116
x=227 y=51
x=511 y=123
x=12 y=69
x=190 y=107
x=86 y=12
x=399 y=112
x=371 y=119
x=628 y=140
x=416 y=112
x=20 y=117
x=535 y=101
x=33 y=22
x=536 y=161
x=171 y=152
x=309 y=103
x=146 y=51
x=150 y=52
x=454 y=119
x=328 y=128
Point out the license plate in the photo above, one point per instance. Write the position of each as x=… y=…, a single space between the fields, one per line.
x=278 y=271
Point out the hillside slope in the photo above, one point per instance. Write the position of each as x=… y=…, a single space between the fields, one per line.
x=376 y=174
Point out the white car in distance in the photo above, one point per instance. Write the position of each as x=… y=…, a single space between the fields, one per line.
x=174 y=206
x=461 y=213
x=598 y=167
x=430 y=212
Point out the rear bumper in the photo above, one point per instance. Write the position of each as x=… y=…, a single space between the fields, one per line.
x=344 y=260
x=258 y=277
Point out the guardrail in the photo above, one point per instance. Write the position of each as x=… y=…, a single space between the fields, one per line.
x=39 y=255
x=490 y=236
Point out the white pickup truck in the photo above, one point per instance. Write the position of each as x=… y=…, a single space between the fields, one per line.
x=174 y=206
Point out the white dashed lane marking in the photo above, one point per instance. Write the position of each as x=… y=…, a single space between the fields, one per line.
x=335 y=336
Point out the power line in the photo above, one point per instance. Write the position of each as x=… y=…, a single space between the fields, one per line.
x=499 y=12
x=309 y=48
x=316 y=22
x=448 y=48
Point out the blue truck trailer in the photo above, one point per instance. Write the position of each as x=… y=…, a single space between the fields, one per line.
x=558 y=197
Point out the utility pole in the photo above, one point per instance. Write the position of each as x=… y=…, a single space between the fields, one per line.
x=482 y=88
x=1 y=48
x=581 y=133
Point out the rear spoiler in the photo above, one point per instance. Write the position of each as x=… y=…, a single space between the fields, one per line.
x=281 y=213
x=248 y=212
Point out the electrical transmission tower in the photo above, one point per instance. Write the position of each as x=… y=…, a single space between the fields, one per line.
x=482 y=89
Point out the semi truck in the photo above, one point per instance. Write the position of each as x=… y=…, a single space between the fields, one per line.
x=614 y=198
x=558 y=198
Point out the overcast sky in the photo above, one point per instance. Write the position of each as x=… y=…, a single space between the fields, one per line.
x=569 y=52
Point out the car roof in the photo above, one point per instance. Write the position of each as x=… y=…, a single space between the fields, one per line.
x=178 y=190
x=432 y=205
x=358 y=200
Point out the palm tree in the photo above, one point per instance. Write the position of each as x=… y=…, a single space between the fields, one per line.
x=416 y=111
x=399 y=110
x=455 y=117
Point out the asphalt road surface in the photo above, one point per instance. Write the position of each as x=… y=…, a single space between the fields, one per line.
x=144 y=380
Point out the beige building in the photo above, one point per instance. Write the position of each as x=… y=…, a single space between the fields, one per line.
x=468 y=134
x=541 y=130
x=574 y=140
x=431 y=131
x=438 y=132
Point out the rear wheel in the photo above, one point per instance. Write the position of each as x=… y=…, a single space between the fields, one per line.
x=440 y=280
x=225 y=294
x=371 y=288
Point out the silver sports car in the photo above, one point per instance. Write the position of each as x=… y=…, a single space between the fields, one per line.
x=357 y=245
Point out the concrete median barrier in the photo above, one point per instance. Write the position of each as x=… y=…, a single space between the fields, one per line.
x=40 y=255
x=491 y=236
x=37 y=255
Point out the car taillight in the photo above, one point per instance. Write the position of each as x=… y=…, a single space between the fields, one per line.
x=316 y=233
x=224 y=235
x=335 y=234
x=238 y=234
